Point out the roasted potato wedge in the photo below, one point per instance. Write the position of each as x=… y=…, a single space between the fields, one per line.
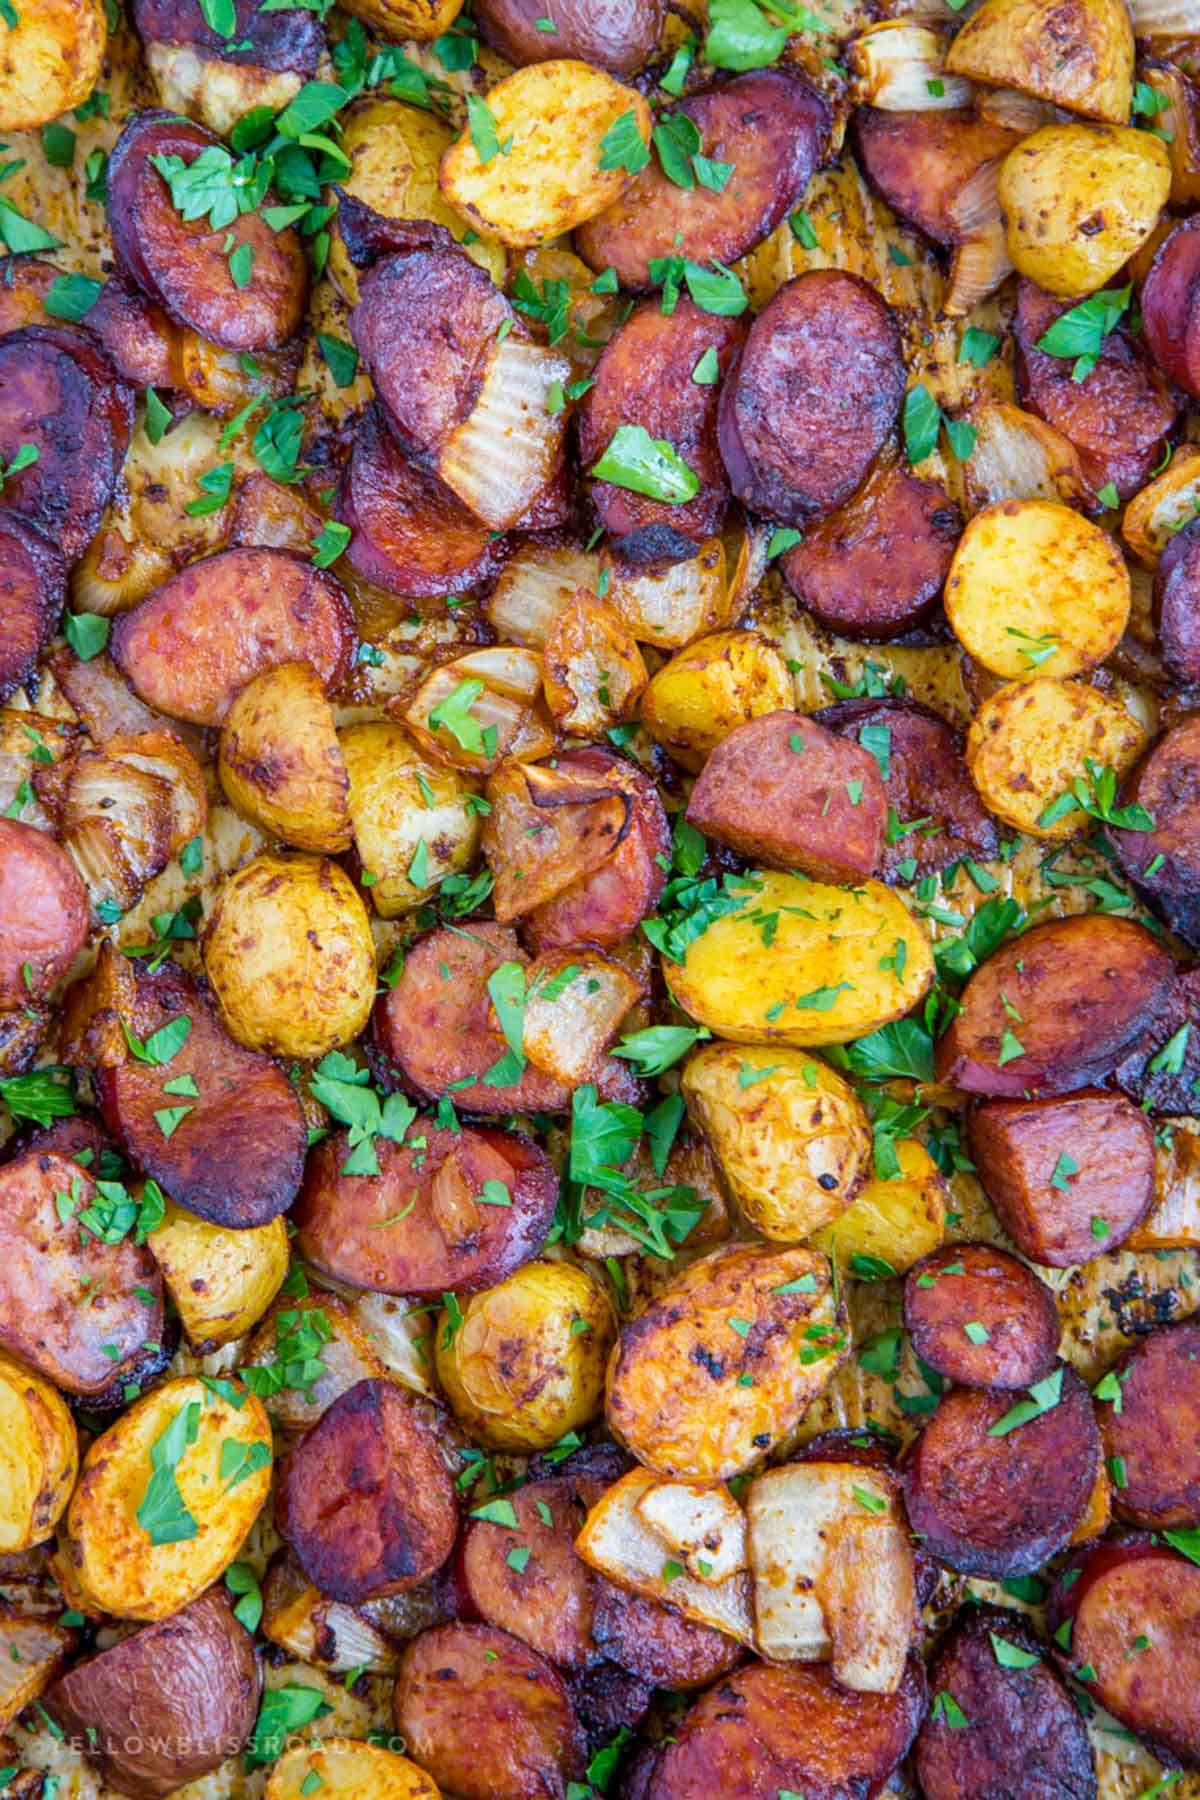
x=1056 y=186
x=401 y=19
x=892 y=1222
x=1078 y=56
x=32 y=1653
x=39 y=1456
x=822 y=982
x=412 y=816
x=717 y=683
x=50 y=60
x=280 y=763
x=1031 y=741
x=345 y=1769
x=221 y=1281
x=549 y=169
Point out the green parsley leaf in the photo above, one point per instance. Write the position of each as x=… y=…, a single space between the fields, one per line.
x=72 y=296
x=646 y=465
x=87 y=634
x=622 y=146
x=330 y=543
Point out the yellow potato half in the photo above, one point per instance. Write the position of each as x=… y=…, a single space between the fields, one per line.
x=1077 y=54
x=221 y=1281
x=402 y=19
x=717 y=683
x=1036 y=589
x=50 y=60
x=1031 y=741
x=1078 y=200
x=412 y=817
x=279 y=759
x=39 y=1456
x=895 y=1222
x=344 y=1769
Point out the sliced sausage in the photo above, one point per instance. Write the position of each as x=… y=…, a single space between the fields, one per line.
x=33 y=579
x=1165 y=861
x=1117 y=417
x=658 y=1645
x=24 y=283
x=368 y=235
x=1177 y=604
x=1129 y=1615
x=139 y=340
x=644 y=377
x=1161 y=1068
x=1001 y=1505
x=782 y=790
x=44 y=906
x=168 y=1704
x=619 y=35
x=184 y=265
x=1021 y=1724
x=487 y=1716
x=544 y=1595
x=980 y=1317
x=938 y=813
x=1170 y=301
x=815 y=393
x=876 y=567
x=1070 y=1179
x=364 y=1497
x=607 y=1698
x=287 y=42
x=411 y=536
x=772 y=126
x=768 y=1729
x=1055 y=1008
x=68 y=1299
x=191 y=646
x=922 y=161
x=1151 y=1429
x=420 y=1226
x=59 y=393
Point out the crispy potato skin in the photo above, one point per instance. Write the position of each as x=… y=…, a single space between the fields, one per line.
x=39 y=1459
x=619 y=35
x=401 y=19
x=897 y=1220
x=50 y=60
x=45 y=908
x=168 y=1704
x=221 y=1281
x=1078 y=56
x=1029 y=741
x=977 y=1284
x=673 y=1392
x=280 y=763
x=1156 y=1431
x=348 y=1770
x=1164 y=783
x=794 y=1145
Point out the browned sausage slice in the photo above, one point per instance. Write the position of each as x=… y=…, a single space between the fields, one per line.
x=542 y=1594
x=620 y=35
x=429 y=1221
x=1070 y=1178
x=139 y=340
x=44 y=907
x=192 y=645
x=658 y=1645
x=784 y=791
x=1150 y=1422
x=1000 y=1505
x=184 y=265
x=606 y=1698
x=815 y=393
x=1165 y=861
x=876 y=567
x=260 y=39
x=767 y=1729
x=772 y=126
x=938 y=815
x=1171 y=306
x=1117 y=417
x=1177 y=604
x=1161 y=1068
x=980 y=1317
x=168 y=1704
x=644 y=377
x=32 y=591
x=68 y=1299
x=411 y=536
x=922 y=161
x=364 y=1497
x=1056 y=1008
x=486 y=1716
x=1129 y=1618
x=1019 y=1730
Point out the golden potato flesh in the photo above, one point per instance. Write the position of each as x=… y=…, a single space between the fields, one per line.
x=792 y=1138
x=841 y=963
x=279 y=760
x=412 y=817
x=1078 y=200
x=526 y=1364
x=344 y=1769
x=166 y=1498
x=401 y=19
x=894 y=1222
x=51 y=55
x=39 y=1456
x=289 y=953
x=221 y=1281
x=1037 y=589
x=717 y=683
x=1032 y=741
x=1077 y=54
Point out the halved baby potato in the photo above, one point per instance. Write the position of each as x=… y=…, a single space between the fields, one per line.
x=39 y=1456
x=542 y=132
x=895 y=1222
x=398 y=20
x=51 y=54
x=1029 y=743
x=345 y=1769
x=280 y=763
x=1078 y=56
x=166 y=1498
x=1035 y=589
x=412 y=815
x=716 y=684
x=841 y=963
x=221 y=1281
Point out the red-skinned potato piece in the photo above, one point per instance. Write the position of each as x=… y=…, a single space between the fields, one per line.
x=44 y=907
x=1021 y=1720
x=816 y=392
x=1070 y=1178
x=921 y=161
x=184 y=265
x=618 y=35
x=660 y=1646
x=289 y=42
x=782 y=790
x=769 y=1728
x=60 y=393
x=772 y=126
x=32 y=591
x=980 y=1317
x=927 y=784
x=364 y=1497
x=485 y=1715
x=1170 y=301
x=1002 y=1505
x=419 y=1226
x=166 y=1705
x=1080 y=991
x=644 y=377
x=1117 y=417
x=549 y=1602
x=1177 y=605
x=192 y=645
x=876 y=567
x=410 y=535
x=66 y=1297
x=1121 y=1593
x=1151 y=1429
